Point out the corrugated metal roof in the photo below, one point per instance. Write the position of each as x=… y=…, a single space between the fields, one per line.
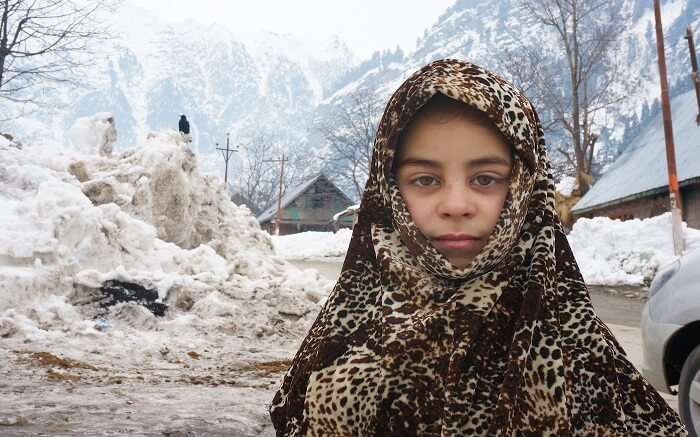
x=642 y=166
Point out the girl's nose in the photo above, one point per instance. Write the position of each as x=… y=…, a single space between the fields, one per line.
x=456 y=201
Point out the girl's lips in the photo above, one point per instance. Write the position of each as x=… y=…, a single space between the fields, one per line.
x=457 y=237
x=457 y=242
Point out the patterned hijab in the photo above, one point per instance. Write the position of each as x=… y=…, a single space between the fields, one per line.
x=409 y=345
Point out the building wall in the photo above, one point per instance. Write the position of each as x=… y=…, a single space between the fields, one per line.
x=652 y=206
x=293 y=228
x=691 y=206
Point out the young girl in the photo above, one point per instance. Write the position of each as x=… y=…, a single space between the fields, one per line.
x=460 y=310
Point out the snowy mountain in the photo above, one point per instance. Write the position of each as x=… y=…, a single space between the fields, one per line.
x=155 y=70
x=481 y=31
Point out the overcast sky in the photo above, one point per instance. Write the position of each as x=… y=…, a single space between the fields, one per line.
x=365 y=25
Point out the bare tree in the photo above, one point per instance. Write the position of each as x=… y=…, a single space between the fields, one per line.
x=350 y=131
x=580 y=83
x=303 y=164
x=258 y=185
x=257 y=182
x=46 y=41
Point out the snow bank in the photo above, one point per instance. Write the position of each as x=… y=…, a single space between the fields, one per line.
x=144 y=217
x=614 y=252
x=313 y=244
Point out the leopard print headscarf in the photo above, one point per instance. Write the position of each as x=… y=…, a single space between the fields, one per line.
x=409 y=345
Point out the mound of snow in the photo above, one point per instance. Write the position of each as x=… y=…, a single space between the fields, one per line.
x=145 y=217
x=614 y=252
x=313 y=244
x=94 y=134
x=160 y=184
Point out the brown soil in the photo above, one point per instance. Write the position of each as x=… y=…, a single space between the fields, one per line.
x=50 y=360
x=267 y=367
x=53 y=375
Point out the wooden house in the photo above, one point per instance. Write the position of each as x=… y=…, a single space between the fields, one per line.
x=309 y=207
x=636 y=184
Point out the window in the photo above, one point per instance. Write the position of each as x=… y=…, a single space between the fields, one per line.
x=317 y=201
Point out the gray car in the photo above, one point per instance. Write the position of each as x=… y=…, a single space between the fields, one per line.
x=671 y=335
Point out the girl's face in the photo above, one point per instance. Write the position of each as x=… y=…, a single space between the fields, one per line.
x=454 y=177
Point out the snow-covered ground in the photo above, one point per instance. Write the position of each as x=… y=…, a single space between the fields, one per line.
x=609 y=252
x=313 y=245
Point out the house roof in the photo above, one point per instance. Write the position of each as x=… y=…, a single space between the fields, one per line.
x=641 y=169
x=291 y=195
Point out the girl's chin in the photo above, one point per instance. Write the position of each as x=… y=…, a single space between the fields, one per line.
x=459 y=258
x=460 y=263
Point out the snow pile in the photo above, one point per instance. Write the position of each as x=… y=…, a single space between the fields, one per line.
x=313 y=244
x=614 y=252
x=566 y=186
x=144 y=217
x=161 y=185
x=94 y=134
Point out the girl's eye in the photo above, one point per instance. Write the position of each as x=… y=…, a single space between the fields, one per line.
x=424 y=181
x=485 y=180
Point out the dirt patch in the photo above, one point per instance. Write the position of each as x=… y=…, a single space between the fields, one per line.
x=53 y=375
x=267 y=368
x=48 y=359
x=14 y=421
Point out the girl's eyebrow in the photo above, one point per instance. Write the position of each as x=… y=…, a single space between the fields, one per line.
x=479 y=162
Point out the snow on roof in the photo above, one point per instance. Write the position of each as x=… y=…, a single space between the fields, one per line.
x=289 y=197
x=642 y=166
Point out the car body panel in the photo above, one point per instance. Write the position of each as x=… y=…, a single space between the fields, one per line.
x=654 y=339
x=678 y=300
x=672 y=305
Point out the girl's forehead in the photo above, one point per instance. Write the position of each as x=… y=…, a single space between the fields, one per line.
x=458 y=138
x=440 y=109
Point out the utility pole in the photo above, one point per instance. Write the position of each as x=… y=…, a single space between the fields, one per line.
x=279 y=196
x=673 y=187
x=694 y=65
x=226 y=153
